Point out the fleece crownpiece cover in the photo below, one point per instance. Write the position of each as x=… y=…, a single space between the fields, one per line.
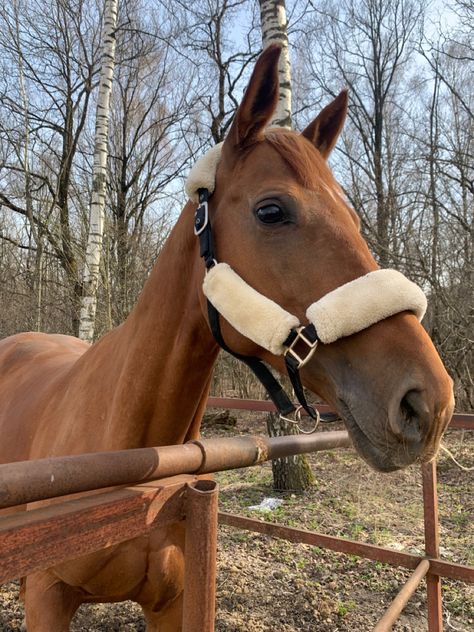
x=203 y=174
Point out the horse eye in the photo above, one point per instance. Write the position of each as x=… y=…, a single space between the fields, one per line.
x=270 y=214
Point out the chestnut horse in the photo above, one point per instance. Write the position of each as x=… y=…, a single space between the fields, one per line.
x=280 y=221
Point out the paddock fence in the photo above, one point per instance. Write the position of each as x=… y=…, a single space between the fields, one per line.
x=161 y=486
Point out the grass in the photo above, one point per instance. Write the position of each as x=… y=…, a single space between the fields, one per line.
x=344 y=607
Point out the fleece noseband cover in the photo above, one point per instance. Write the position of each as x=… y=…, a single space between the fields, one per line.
x=346 y=310
x=365 y=301
x=253 y=315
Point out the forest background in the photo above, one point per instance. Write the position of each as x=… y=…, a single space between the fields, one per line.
x=405 y=159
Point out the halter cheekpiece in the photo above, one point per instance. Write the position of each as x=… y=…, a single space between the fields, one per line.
x=348 y=309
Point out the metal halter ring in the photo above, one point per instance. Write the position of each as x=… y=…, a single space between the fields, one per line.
x=297 y=420
x=300 y=336
x=212 y=263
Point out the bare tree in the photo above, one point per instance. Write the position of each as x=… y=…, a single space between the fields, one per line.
x=219 y=62
x=23 y=157
x=446 y=248
x=54 y=53
x=149 y=140
x=453 y=43
x=96 y=218
x=365 y=45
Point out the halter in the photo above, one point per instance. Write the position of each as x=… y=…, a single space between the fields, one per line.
x=293 y=362
x=348 y=309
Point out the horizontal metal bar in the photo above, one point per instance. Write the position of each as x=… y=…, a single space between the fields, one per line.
x=462 y=420
x=258 y=405
x=459 y=420
x=39 y=538
x=343 y=545
x=29 y=481
x=442 y=568
x=393 y=611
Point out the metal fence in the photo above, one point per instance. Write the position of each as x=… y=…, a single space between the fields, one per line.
x=431 y=566
x=165 y=489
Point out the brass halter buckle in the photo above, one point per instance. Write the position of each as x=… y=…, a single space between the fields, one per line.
x=311 y=348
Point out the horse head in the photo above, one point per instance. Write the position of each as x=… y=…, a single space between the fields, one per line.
x=282 y=224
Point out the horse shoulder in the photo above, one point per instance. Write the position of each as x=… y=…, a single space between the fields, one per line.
x=33 y=370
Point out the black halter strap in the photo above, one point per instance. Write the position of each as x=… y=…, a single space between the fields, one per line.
x=293 y=361
x=274 y=389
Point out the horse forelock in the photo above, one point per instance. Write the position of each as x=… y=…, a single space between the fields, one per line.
x=301 y=156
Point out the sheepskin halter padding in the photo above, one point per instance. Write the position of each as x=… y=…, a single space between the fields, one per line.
x=203 y=174
x=346 y=310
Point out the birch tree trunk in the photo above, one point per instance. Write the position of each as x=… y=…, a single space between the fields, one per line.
x=292 y=473
x=96 y=217
x=274 y=31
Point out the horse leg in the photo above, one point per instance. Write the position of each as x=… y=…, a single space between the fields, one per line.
x=169 y=619
x=50 y=604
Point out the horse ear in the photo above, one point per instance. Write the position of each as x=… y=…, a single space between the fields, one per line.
x=259 y=102
x=324 y=131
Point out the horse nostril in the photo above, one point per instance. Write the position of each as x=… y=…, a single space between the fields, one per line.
x=411 y=418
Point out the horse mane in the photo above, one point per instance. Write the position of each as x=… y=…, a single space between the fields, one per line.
x=308 y=165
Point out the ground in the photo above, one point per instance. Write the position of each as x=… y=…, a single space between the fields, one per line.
x=267 y=585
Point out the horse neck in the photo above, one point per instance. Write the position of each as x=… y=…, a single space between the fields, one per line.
x=160 y=360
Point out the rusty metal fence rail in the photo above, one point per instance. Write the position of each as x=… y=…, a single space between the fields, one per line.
x=73 y=526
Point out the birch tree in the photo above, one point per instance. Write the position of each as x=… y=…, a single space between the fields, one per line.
x=96 y=219
x=275 y=31
x=294 y=472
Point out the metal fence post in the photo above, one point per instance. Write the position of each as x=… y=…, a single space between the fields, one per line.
x=433 y=582
x=200 y=557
